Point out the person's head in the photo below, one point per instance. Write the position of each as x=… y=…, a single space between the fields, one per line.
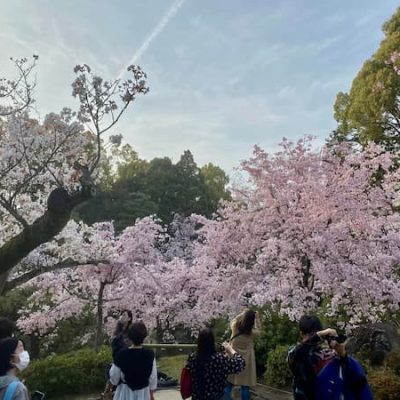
x=245 y=324
x=206 y=343
x=309 y=325
x=124 y=322
x=10 y=351
x=137 y=332
x=7 y=328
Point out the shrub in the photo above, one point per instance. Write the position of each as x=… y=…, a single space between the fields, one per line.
x=375 y=358
x=80 y=371
x=277 y=371
x=393 y=361
x=384 y=384
x=276 y=330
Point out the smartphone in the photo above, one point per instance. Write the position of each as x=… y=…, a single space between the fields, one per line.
x=38 y=395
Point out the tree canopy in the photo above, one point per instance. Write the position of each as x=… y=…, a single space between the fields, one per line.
x=50 y=166
x=157 y=187
x=370 y=111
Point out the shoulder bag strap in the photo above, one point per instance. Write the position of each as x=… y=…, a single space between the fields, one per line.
x=11 y=388
x=235 y=336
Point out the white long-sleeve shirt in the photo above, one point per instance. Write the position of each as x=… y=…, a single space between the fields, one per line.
x=124 y=392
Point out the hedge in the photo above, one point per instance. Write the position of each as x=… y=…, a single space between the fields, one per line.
x=277 y=372
x=81 y=371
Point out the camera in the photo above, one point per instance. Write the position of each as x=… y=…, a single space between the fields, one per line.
x=338 y=339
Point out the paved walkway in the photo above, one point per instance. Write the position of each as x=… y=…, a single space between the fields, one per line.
x=264 y=393
x=167 y=394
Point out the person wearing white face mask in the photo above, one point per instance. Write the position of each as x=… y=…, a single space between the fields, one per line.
x=13 y=358
x=7 y=330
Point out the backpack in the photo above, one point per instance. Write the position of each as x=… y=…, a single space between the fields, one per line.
x=343 y=381
x=11 y=388
x=306 y=361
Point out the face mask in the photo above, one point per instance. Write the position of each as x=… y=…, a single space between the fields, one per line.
x=24 y=360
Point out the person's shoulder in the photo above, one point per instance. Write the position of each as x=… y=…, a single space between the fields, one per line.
x=294 y=349
x=305 y=351
x=122 y=354
x=353 y=364
x=21 y=391
x=21 y=387
x=191 y=360
x=219 y=356
x=148 y=353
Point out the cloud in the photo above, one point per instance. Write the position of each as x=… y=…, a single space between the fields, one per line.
x=171 y=12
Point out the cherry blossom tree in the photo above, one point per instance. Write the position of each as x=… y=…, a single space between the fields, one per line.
x=49 y=167
x=144 y=270
x=312 y=228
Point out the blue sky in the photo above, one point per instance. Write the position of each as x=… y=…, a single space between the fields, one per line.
x=224 y=74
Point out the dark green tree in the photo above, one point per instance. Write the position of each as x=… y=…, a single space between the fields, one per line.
x=159 y=187
x=371 y=110
x=216 y=182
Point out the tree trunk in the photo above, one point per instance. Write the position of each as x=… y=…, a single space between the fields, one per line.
x=3 y=282
x=35 y=346
x=99 y=320
x=60 y=205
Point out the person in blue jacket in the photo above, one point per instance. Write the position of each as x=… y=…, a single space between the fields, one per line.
x=325 y=373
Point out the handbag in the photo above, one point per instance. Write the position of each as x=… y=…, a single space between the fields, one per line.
x=186 y=383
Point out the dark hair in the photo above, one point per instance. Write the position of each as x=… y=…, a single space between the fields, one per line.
x=205 y=349
x=7 y=349
x=122 y=327
x=245 y=323
x=137 y=332
x=205 y=343
x=7 y=328
x=130 y=315
x=309 y=324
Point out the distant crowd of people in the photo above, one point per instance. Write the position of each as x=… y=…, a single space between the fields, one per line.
x=321 y=368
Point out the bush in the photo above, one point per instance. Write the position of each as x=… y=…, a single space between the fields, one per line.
x=277 y=371
x=81 y=371
x=384 y=384
x=276 y=330
x=393 y=361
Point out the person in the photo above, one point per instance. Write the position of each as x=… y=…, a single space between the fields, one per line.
x=244 y=327
x=10 y=362
x=134 y=370
x=324 y=373
x=120 y=339
x=7 y=330
x=209 y=369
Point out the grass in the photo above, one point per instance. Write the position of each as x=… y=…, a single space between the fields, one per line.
x=172 y=365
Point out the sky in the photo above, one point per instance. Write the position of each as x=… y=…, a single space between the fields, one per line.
x=224 y=75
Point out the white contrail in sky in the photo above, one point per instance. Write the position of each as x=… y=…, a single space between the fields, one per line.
x=153 y=35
